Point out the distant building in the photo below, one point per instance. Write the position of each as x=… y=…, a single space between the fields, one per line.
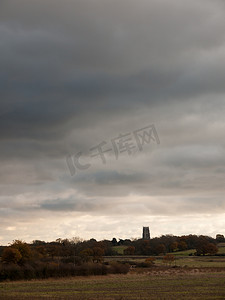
x=146 y=233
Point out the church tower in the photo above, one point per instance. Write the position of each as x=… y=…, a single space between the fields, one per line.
x=146 y=233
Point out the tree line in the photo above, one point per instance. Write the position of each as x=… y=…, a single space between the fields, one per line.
x=66 y=257
x=92 y=250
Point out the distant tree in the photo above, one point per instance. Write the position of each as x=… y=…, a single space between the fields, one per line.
x=106 y=245
x=59 y=240
x=98 y=253
x=173 y=247
x=204 y=247
x=41 y=250
x=24 y=250
x=11 y=255
x=129 y=250
x=76 y=240
x=160 y=249
x=36 y=255
x=93 y=240
x=121 y=242
x=114 y=241
x=192 y=241
x=182 y=245
x=127 y=242
x=53 y=249
x=145 y=247
x=38 y=243
x=166 y=240
x=220 y=238
x=211 y=249
x=86 y=254
x=1 y=250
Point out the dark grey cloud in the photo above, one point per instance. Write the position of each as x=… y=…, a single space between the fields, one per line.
x=97 y=57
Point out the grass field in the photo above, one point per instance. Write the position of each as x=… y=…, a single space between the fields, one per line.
x=181 y=261
x=221 y=248
x=201 y=262
x=119 y=249
x=189 y=277
x=173 y=284
x=184 y=253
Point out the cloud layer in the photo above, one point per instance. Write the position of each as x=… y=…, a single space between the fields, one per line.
x=77 y=73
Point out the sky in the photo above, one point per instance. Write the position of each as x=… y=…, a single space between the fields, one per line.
x=111 y=118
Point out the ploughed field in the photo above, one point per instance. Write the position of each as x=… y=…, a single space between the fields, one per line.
x=151 y=283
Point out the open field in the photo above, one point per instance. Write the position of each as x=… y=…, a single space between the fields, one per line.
x=221 y=250
x=201 y=262
x=173 y=283
x=221 y=247
x=181 y=261
x=188 y=277
x=119 y=249
x=184 y=253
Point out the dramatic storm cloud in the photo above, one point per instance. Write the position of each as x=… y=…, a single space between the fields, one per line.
x=76 y=74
